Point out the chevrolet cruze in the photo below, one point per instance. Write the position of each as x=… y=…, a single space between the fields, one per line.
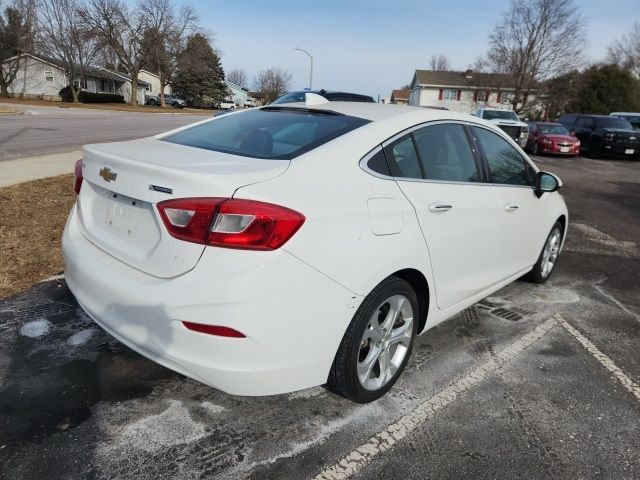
x=289 y=246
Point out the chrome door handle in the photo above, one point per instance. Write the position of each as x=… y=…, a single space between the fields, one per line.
x=439 y=207
x=511 y=207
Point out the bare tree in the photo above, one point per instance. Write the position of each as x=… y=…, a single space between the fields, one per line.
x=16 y=38
x=626 y=51
x=163 y=57
x=237 y=76
x=132 y=32
x=272 y=83
x=65 y=37
x=440 y=63
x=536 y=40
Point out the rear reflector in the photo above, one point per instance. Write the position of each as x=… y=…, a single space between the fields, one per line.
x=77 y=177
x=230 y=223
x=217 y=330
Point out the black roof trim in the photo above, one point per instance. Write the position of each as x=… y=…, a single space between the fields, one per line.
x=312 y=111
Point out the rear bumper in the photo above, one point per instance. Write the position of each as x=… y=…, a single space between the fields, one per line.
x=293 y=316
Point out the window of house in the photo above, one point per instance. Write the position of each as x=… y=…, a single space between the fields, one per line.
x=445 y=153
x=506 y=165
x=449 y=94
x=48 y=76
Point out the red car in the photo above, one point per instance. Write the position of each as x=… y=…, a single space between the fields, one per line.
x=547 y=137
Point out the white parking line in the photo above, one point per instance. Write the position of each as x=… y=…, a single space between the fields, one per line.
x=604 y=163
x=383 y=441
x=604 y=360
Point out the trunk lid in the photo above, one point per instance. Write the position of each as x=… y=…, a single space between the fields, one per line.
x=123 y=182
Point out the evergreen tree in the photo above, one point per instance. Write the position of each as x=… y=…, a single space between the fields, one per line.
x=199 y=75
x=606 y=88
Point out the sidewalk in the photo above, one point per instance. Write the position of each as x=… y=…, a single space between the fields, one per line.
x=33 y=168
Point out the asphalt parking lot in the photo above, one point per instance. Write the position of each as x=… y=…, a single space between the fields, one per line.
x=43 y=130
x=532 y=382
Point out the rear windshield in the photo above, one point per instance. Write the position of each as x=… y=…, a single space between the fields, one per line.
x=268 y=133
x=614 y=123
x=499 y=115
x=291 y=97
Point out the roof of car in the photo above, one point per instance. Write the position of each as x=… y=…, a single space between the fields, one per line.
x=546 y=123
x=378 y=111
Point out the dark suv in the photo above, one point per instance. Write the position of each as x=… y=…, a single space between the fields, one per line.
x=601 y=135
x=298 y=96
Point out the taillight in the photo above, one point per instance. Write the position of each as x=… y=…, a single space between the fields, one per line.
x=230 y=223
x=253 y=225
x=217 y=330
x=77 y=177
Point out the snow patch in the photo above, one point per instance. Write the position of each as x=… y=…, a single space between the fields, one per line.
x=36 y=328
x=307 y=393
x=80 y=337
x=212 y=407
x=171 y=427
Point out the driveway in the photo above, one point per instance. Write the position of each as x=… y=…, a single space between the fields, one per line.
x=532 y=382
x=42 y=130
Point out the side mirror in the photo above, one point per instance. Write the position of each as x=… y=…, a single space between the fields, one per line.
x=546 y=183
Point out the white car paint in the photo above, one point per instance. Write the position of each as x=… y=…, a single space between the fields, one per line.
x=516 y=122
x=293 y=303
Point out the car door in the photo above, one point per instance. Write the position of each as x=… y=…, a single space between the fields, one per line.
x=438 y=172
x=511 y=181
x=584 y=127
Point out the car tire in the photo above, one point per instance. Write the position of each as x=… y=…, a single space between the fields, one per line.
x=370 y=345
x=548 y=257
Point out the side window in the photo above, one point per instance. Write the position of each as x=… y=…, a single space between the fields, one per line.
x=446 y=154
x=378 y=163
x=403 y=159
x=590 y=123
x=506 y=165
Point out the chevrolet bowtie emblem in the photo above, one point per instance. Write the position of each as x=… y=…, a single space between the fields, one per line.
x=107 y=174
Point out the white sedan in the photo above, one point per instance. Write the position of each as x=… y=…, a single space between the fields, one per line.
x=283 y=247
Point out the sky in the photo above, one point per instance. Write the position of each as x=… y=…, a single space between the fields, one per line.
x=374 y=46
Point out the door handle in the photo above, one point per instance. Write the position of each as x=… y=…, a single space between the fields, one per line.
x=511 y=207
x=438 y=207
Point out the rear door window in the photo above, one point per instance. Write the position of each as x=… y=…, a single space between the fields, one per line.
x=268 y=133
x=445 y=153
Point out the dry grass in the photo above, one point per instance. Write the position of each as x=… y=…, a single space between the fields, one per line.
x=32 y=217
x=11 y=111
x=106 y=106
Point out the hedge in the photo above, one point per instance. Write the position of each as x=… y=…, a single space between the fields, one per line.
x=89 y=97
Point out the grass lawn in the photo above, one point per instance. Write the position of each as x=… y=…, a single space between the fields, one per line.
x=32 y=218
x=105 y=106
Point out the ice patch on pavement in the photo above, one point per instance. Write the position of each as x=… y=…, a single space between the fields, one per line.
x=36 y=328
x=80 y=337
x=171 y=427
x=554 y=294
x=212 y=407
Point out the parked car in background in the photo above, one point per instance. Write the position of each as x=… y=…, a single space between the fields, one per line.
x=271 y=250
x=298 y=96
x=169 y=100
x=632 y=117
x=250 y=103
x=602 y=135
x=546 y=137
x=508 y=121
x=225 y=104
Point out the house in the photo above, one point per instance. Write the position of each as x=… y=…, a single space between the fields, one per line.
x=236 y=93
x=464 y=91
x=400 y=97
x=43 y=78
x=153 y=81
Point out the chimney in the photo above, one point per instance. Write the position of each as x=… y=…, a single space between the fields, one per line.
x=468 y=73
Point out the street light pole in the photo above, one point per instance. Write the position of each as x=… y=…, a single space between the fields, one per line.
x=311 y=69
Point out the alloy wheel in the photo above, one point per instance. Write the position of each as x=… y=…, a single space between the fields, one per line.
x=550 y=252
x=385 y=342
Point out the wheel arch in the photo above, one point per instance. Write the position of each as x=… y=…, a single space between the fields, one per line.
x=419 y=283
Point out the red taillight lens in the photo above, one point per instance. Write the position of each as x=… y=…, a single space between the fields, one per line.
x=230 y=223
x=77 y=177
x=253 y=225
x=189 y=219
x=217 y=330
